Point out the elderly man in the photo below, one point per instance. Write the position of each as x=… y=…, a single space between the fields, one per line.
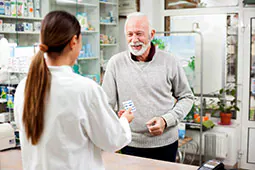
x=154 y=81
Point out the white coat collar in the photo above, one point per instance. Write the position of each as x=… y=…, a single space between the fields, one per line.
x=64 y=68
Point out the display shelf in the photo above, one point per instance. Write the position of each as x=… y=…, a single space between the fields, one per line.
x=109 y=31
x=29 y=32
x=73 y=3
x=113 y=24
x=89 y=32
x=19 y=72
x=88 y=58
x=90 y=38
x=18 y=32
x=22 y=18
x=107 y=45
x=108 y=3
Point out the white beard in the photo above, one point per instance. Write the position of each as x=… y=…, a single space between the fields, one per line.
x=138 y=52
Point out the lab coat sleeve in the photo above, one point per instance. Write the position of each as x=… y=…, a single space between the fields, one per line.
x=102 y=125
x=18 y=103
x=16 y=110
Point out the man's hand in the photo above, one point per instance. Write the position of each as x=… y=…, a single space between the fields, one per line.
x=128 y=115
x=156 y=126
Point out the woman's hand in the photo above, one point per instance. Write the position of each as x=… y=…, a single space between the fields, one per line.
x=127 y=114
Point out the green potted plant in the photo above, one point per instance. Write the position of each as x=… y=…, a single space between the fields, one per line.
x=226 y=106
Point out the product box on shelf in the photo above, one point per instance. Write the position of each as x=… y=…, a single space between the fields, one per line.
x=30 y=6
x=82 y=17
x=13 y=8
x=20 y=27
x=9 y=27
x=1 y=25
x=86 y=51
x=28 y=26
x=7 y=8
x=37 y=8
x=2 y=7
x=20 y=8
x=37 y=26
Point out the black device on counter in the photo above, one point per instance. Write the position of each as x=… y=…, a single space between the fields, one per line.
x=212 y=165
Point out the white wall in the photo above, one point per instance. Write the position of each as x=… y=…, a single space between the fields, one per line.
x=154 y=10
x=123 y=42
x=213 y=29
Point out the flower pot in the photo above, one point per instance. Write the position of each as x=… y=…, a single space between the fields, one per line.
x=225 y=118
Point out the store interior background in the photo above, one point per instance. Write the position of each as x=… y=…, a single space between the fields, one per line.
x=235 y=142
x=212 y=22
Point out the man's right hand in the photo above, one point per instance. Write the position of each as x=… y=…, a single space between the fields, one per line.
x=127 y=114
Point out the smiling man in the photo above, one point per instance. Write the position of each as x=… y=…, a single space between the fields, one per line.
x=154 y=80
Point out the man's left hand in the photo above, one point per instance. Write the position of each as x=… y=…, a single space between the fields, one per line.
x=156 y=126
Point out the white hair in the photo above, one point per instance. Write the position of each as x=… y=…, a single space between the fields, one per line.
x=137 y=14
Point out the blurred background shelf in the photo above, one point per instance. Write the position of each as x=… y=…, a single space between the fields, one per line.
x=73 y=3
x=22 y=18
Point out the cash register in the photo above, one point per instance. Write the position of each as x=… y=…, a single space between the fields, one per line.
x=7 y=136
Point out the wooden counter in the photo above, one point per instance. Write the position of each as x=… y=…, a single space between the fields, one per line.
x=11 y=160
x=114 y=161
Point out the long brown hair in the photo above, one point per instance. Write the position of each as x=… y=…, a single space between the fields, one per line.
x=57 y=30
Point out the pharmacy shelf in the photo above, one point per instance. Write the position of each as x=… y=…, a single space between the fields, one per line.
x=108 y=3
x=102 y=23
x=18 y=32
x=8 y=32
x=3 y=100
x=31 y=32
x=73 y=3
x=89 y=32
x=22 y=18
x=18 y=72
x=108 y=45
x=88 y=58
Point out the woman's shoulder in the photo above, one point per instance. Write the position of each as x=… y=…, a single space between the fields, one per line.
x=85 y=80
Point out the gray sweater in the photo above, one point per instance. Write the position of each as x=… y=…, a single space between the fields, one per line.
x=160 y=88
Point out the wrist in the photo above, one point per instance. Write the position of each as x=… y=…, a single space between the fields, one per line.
x=164 y=121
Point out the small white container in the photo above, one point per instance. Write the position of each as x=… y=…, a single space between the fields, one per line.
x=30 y=7
x=7 y=8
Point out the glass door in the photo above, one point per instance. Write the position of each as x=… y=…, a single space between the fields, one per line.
x=248 y=113
x=252 y=72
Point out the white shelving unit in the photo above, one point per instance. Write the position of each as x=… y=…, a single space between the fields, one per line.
x=108 y=45
x=18 y=32
x=109 y=27
x=113 y=24
x=89 y=32
x=74 y=3
x=18 y=17
x=89 y=61
x=24 y=31
x=88 y=58
x=108 y=3
x=30 y=22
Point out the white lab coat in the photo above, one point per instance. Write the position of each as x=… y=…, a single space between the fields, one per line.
x=78 y=124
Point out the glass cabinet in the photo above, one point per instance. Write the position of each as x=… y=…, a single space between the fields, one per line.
x=87 y=13
x=252 y=70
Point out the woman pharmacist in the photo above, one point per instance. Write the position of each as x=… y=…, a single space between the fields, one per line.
x=64 y=119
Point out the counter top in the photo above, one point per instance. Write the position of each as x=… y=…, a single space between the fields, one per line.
x=11 y=160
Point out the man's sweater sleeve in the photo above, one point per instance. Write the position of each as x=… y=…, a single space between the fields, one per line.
x=109 y=83
x=183 y=94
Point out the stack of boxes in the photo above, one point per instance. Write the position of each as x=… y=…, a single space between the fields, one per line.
x=20 y=8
